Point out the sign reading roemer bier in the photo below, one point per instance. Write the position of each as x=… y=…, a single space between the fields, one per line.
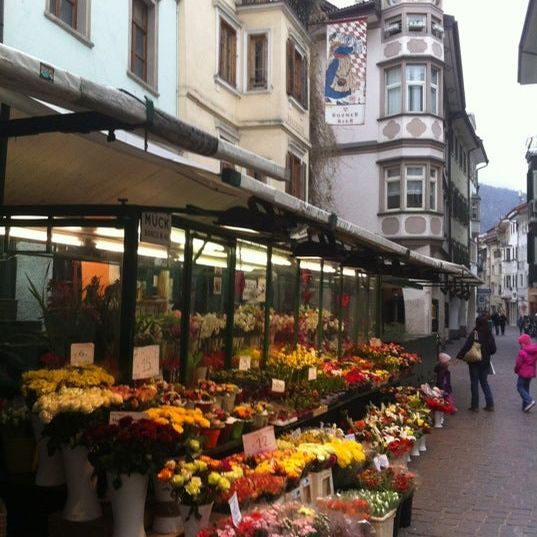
x=344 y=91
x=156 y=228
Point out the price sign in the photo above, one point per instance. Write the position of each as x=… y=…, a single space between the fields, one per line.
x=259 y=441
x=236 y=515
x=312 y=373
x=116 y=416
x=145 y=362
x=278 y=386
x=245 y=363
x=350 y=436
x=381 y=461
x=82 y=353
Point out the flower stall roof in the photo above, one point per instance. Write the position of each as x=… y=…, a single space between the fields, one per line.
x=85 y=169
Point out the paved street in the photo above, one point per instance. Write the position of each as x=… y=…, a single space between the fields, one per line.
x=479 y=477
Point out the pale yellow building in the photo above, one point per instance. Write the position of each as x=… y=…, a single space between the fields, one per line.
x=243 y=76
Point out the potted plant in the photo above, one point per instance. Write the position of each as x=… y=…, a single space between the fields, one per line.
x=129 y=452
x=382 y=506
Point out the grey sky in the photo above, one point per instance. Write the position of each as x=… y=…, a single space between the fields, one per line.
x=505 y=111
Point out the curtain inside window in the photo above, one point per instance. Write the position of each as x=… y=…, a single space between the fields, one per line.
x=394 y=195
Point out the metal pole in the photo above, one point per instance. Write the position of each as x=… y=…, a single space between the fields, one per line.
x=297 y=304
x=340 y=314
x=367 y=303
x=357 y=308
x=378 y=312
x=321 y=292
x=184 y=343
x=129 y=275
x=5 y=111
x=230 y=307
x=268 y=304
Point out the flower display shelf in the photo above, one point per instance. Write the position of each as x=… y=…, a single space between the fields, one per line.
x=306 y=495
x=384 y=526
x=322 y=483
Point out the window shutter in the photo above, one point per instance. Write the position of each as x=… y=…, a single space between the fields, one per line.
x=290 y=65
x=251 y=62
x=303 y=179
x=222 y=51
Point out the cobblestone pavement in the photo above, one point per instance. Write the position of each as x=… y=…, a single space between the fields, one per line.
x=479 y=475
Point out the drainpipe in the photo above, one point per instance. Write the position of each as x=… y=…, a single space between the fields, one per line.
x=4 y=116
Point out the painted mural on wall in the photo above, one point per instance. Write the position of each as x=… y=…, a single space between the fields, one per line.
x=346 y=46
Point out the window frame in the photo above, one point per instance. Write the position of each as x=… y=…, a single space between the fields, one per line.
x=390 y=26
x=390 y=87
x=416 y=83
x=422 y=29
x=297 y=184
x=297 y=86
x=233 y=82
x=143 y=26
x=434 y=100
x=80 y=26
x=437 y=28
x=433 y=197
x=416 y=179
x=249 y=35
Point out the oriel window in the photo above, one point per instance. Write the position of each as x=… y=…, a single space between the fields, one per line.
x=140 y=15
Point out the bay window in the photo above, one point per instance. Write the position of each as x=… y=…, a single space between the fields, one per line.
x=415 y=176
x=433 y=179
x=415 y=86
x=393 y=90
x=435 y=82
x=417 y=23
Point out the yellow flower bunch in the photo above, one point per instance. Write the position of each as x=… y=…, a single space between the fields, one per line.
x=219 y=481
x=348 y=452
x=290 y=463
x=177 y=417
x=298 y=359
x=43 y=381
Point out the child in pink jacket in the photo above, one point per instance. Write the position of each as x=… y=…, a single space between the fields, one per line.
x=525 y=369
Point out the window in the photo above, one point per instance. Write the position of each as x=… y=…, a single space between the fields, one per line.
x=415 y=80
x=393 y=26
x=393 y=188
x=393 y=90
x=143 y=45
x=436 y=27
x=433 y=181
x=227 y=53
x=140 y=15
x=414 y=187
x=417 y=23
x=257 y=61
x=70 y=14
x=297 y=73
x=297 y=183
x=435 y=83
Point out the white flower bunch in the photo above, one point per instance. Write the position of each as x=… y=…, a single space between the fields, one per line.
x=82 y=400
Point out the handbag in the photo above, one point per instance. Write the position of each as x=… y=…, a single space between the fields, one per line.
x=474 y=354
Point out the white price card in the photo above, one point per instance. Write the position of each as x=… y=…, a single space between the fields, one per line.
x=312 y=373
x=278 y=386
x=350 y=436
x=115 y=417
x=381 y=461
x=259 y=441
x=245 y=362
x=236 y=515
x=145 y=362
x=82 y=353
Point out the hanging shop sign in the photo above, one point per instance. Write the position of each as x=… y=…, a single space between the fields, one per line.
x=156 y=228
x=344 y=92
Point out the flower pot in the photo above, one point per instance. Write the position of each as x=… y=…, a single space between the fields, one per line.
x=408 y=458
x=322 y=483
x=82 y=503
x=128 y=505
x=237 y=430
x=228 y=401
x=50 y=472
x=384 y=526
x=211 y=437
x=415 y=450
x=204 y=406
x=167 y=518
x=259 y=421
x=405 y=518
x=191 y=523
x=218 y=400
x=438 y=418
x=422 y=443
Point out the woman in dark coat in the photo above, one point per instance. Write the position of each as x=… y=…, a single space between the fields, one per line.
x=479 y=370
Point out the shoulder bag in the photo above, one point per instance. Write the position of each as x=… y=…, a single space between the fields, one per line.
x=474 y=354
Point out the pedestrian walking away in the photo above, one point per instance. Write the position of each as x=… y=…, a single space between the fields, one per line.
x=525 y=369
x=503 y=322
x=520 y=324
x=495 y=318
x=479 y=370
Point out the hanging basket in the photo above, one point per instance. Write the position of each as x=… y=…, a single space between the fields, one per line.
x=82 y=503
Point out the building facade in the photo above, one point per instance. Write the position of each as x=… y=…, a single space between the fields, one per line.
x=415 y=157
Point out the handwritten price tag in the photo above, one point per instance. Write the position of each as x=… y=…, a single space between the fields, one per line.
x=350 y=436
x=381 y=461
x=116 y=416
x=245 y=362
x=312 y=373
x=278 y=386
x=82 y=353
x=236 y=515
x=145 y=362
x=259 y=441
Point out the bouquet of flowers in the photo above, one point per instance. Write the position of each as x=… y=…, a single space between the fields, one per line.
x=354 y=506
x=178 y=418
x=130 y=446
x=380 y=502
x=254 y=487
x=138 y=398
